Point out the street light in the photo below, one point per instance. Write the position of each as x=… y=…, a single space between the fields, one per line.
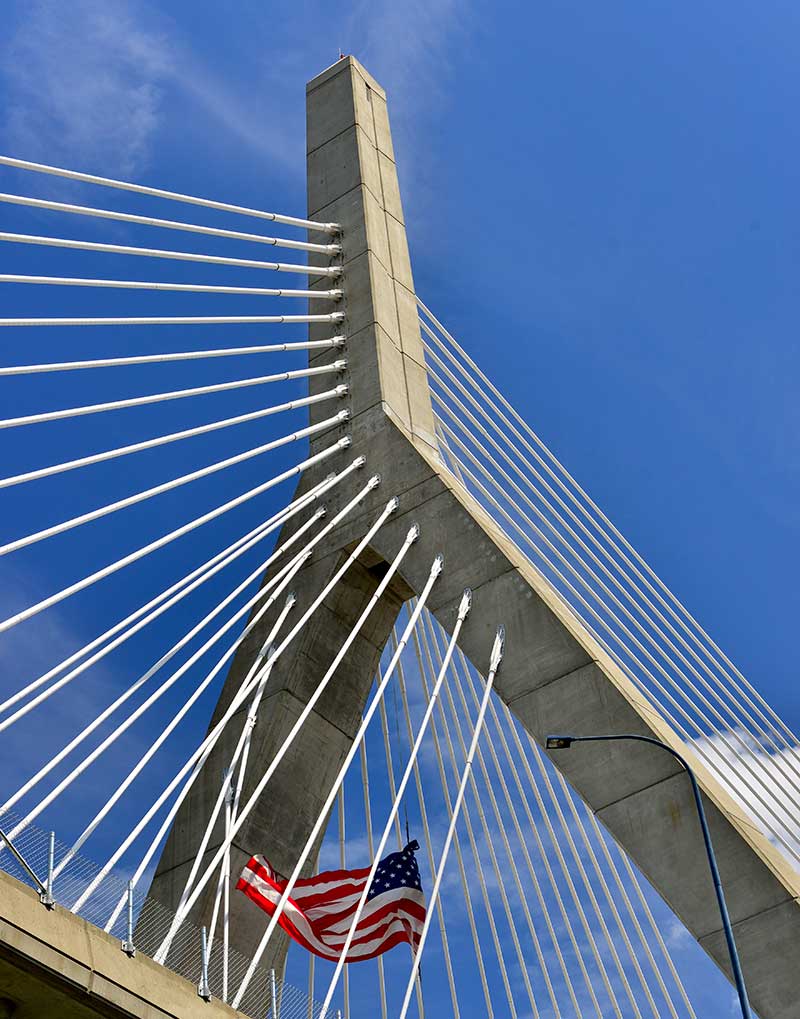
x=565 y=742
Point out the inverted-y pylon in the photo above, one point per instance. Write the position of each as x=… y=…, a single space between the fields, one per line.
x=555 y=675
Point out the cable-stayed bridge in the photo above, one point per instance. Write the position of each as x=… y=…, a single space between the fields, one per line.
x=316 y=608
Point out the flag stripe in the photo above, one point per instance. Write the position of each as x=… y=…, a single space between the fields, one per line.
x=321 y=909
x=376 y=909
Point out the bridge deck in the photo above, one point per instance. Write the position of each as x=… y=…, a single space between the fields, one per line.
x=54 y=964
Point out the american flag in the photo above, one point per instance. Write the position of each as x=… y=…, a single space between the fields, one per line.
x=320 y=910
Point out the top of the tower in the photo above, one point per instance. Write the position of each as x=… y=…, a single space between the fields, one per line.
x=342 y=64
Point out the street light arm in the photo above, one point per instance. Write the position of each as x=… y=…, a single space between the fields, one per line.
x=561 y=740
x=564 y=742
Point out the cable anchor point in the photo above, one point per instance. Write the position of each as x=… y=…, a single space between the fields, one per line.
x=498 y=648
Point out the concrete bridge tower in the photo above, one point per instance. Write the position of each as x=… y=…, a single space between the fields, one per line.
x=555 y=676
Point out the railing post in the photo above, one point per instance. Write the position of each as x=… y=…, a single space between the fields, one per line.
x=127 y=944
x=202 y=987
x=46 y=896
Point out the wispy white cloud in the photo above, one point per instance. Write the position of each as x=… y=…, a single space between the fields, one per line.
x=774 y=776
x=84 y=81
x=275 y=134
x=409 y=48
x=410 y=45
x=92 y=84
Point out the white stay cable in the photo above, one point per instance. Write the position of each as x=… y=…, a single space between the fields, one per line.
x=179 y=256
x=195 y=288
x=168 y=486
x=610 y=574
x=523 y=967
x=565 y=870
x=392 y=783
x=231 y=802
x=533 y=827
x=585 y=878
x=459 y=686
x=448 y=456
x=371 y=851
x=188 y=900
x=501 y=827
x=393 y=793
x=463 y=609
x=174 y=196
x=161 y=440
x=465 y=679
x=629 y=946
x=494 y=665
x=342 y=865
x=165 y=539
x=603 y=618
x=178 y=355
x=488 y=904
x=195 y=762
x=465 y=885
x=168 y=597
x=226 y=908
x=262 y=673
x=122 y=727
x=310 y=1013
x=436 y=569
x=723 y=700
x=177 y=394
x=198 y=758
x=222 y=894
x=286 y=578
x=387 y=747
x=168 y=224
x=618 y=542
x=173 y=320
x=260 y=533
x=580 y=818
x=426 y=831
x=652 y=922
x=182 y=907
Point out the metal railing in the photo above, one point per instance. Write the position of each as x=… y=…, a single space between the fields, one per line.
x=151 y=922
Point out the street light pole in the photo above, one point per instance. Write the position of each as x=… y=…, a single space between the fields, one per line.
x=564 y=742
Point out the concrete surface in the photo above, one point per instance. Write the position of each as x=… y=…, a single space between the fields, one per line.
x=53 y=965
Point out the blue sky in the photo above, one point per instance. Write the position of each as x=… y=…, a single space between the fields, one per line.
x=601 y=204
